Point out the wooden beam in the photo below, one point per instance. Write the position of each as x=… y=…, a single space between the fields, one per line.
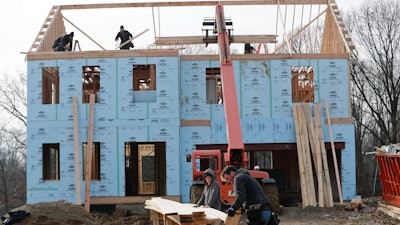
x=348 y=120
x=76 y=152
x=131 y=39
x=121 y=200
x=196 y=40
x=83 y=33
x=333 y=153
x=192 y=3
x=187 y=123
x=88 y=162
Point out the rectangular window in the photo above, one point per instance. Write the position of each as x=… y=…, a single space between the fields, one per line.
x=302 y=84
x=144 y=77
x=213 y=86
x=50 y=85
x=51 y=162
x=95 y=160
x=90 y=82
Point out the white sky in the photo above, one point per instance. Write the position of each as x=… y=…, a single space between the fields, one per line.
x=21 y=20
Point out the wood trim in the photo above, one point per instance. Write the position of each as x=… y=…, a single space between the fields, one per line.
x=106 y=200
x=266 y=56
x=269 y=147
x=101 y=54
x=187 y=123
x=196 y=40
x=192 y=3
x=348 y=120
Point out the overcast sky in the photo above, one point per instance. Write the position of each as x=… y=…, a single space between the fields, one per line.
x=21 y=20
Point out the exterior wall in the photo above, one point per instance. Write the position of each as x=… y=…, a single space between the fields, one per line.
x=266 y=108
x=117 y=120
x=264 y=95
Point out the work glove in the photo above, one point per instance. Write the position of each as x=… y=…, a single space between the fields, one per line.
x=230 y=211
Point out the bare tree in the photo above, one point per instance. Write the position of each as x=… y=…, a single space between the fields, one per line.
x=13 y=141
x=375 y=28
x=12 y=173
x=13 y=105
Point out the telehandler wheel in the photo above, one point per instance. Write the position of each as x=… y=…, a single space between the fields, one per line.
x=196 y=191
x=272 y=193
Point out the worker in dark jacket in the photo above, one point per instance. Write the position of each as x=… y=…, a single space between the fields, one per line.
x=64 y=43
x=248 y=194
x=124 y=35
x=211 y=193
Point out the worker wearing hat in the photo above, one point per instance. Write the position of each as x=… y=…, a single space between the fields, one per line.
x=211 y=193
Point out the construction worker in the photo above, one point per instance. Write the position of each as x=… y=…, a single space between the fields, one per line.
x=211 y=193
x=248 y=195
x=64 y=42
x=248 y=49
x=124 y=35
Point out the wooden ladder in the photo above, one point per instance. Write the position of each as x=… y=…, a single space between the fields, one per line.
x=39 y=37
x=341 y=24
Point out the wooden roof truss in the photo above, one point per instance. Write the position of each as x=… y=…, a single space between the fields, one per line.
x=288 y=38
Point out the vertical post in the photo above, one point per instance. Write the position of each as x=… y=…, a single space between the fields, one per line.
x=76 y=152
x=339 y=186
x=88 y=162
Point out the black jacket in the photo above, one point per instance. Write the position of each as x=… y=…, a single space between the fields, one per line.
x=247 y=190
x=124 y=36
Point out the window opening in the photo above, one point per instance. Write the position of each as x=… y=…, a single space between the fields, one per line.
x=90 y=82
x=95 y=160
x=51 y=162
x=213 y=86
x=50 y=85
x=144 y=77
x=302 y=84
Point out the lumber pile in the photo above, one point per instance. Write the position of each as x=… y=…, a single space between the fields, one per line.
x=390 y=210
x=312 y=157
x=182 y=213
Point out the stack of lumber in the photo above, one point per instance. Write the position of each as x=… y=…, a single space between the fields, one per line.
x=184 y=212
x=390 y=210
x=312 y=156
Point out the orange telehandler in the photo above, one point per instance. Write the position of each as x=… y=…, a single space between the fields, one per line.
x=235 y=155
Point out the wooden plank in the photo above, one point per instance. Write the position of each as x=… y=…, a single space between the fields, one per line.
x=327 y=181
x=83 y=33
x=192 y=3
x=316 y=150
x=339 y=187
x=103 y=54
x=307 y=157
x=88 y=162
x=392 y=208
x=107 y=200
x=187 y=123
x=196 y=40
x=76 y=152
x=173 y=53
x=233 y=220
x=302 y=172
x=348 y=120
x=388 y=211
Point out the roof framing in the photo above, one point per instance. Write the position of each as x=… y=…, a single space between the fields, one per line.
x=335 y=37
x=194 y=3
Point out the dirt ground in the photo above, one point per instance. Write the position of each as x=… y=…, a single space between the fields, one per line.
x=64 y=213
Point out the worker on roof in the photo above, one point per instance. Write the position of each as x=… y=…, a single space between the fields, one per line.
x=248 y=49
x=124 y=35
x=211 y=193
x=64 y=43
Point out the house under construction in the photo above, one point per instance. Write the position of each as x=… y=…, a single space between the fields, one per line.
x=143 y=111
